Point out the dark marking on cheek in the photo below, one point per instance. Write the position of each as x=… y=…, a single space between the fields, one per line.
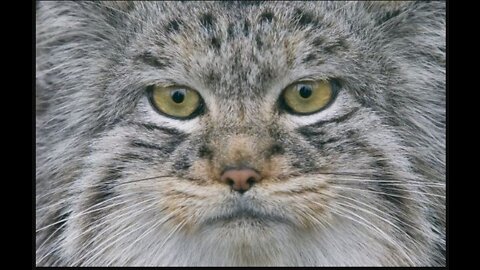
x=182 y=164
x=380 y=164
x=62 y=218
x=129 y=157
x=392 y=193
x=303 y=161
x=353 y=136
x=146 y=145
x=103 y=190
x=318 y=138
x=167 y=147
x=275 y=149
x=340 y=119
x=310 y=132
x=165 y=130
x=205 y=152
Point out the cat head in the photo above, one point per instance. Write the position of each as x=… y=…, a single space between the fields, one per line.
x=242 y=133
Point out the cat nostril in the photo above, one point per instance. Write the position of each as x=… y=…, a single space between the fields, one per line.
x=240 y=180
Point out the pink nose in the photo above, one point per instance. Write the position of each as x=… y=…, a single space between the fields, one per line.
x=241 y=180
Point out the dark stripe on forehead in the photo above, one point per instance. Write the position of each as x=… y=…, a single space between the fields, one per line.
x=338 y=45
x=150 y=59
x=173 y=26
x=309 y=58
x=266 y=17
x=304 y=18
x=207 y=21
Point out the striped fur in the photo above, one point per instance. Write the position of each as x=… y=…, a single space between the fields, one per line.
x=359 y=183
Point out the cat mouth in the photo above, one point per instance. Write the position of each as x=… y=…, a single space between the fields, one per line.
x=246 y=217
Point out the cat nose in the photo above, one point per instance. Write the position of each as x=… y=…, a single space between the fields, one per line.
x=240 y=180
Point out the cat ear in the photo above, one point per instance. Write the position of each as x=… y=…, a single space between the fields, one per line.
x=94 y=12
x=383 y=11
x=67 y=35
x=119 y=6
x=404 y=19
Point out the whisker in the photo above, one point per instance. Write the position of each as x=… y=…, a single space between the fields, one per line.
x=355 y=201
x=387 y=194
x=416 y=192
x=382 y=177
x=79 y=215
x=153 y=227
x=342 y=211
x=87 y=212
x=129 y=216
x=109 y=244
x=144 y=179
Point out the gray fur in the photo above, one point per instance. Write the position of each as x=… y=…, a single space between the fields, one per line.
x=360 y=183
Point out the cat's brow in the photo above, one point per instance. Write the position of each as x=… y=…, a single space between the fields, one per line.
x=149 y=58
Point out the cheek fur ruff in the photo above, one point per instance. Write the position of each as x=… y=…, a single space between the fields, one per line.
x=361 y=183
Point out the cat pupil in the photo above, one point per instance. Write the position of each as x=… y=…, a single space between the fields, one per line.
x=178 y=96
x=305 y=91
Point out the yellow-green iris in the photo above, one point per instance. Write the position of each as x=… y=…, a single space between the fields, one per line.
x=308 y=97
x=176 y=101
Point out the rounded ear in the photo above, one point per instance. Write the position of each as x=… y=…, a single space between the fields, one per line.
x=404 y=19
x=68 y=33
x=121 y=6
x=382 y=11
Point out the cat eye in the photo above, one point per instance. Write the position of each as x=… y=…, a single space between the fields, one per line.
x=175 y=101
x=307 y=97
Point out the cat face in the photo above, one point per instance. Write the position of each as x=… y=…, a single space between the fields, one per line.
x=230 y=134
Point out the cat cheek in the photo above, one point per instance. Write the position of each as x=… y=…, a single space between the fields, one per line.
x=277 y=167
x=203 y=171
